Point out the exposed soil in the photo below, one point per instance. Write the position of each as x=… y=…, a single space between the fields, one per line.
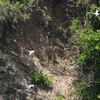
x=63 y=78
x=63 y=75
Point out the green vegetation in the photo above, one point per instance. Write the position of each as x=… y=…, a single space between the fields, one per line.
x=14 y=9
x=59 y=98
x=86 y=34
x=41 y=79
x=85 y=30
x=11 y=11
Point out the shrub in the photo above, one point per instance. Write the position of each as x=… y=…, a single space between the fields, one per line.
x=11 y=11
x=86 y=34
x=14 y=10
x=41 y=79
x=86 y=91
x=59 y=98
x=88 y=38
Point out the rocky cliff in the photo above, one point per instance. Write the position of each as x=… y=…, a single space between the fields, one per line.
x=46 y=33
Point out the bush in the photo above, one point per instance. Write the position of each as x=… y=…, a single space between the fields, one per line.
x=86 y=91
x=59 y=98
x=11 y=11
x=86 y=34
x=41 y=79
x=14 y=10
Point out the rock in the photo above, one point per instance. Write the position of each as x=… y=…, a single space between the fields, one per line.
x=13 y=80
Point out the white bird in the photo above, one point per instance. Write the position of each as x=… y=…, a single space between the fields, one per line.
x=96 y=13
x=31 y=52
x=29 y=86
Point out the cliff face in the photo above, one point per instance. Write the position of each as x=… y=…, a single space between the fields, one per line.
x=13 y=78
x=47 y=33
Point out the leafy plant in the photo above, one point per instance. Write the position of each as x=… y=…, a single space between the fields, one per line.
x=88 y=37
x=86 y=91
x=59 y=98
x=14 y=9
x=41 y=79
x=11 y=11
x=98 y=96
x=86 y=34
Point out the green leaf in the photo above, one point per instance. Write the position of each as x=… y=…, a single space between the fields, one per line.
x=98 y=96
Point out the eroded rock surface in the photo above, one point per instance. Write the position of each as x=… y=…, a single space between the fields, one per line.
x=46 y=32
x=14 y=79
